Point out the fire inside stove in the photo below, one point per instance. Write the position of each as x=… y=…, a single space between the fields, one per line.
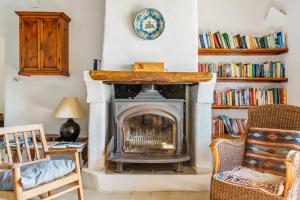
x=149 y=134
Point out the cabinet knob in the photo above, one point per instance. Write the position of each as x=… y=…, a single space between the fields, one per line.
x=41 y=46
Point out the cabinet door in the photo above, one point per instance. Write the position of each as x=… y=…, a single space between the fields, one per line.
x=29 y=45
x=50 y=45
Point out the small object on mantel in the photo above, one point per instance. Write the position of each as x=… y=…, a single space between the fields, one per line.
x=95 y=64
x=148 y=67
x=163 y=78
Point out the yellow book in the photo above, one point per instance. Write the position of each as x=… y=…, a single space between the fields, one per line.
x=235 y=71
x=284 y=96
x=211 y=40
x=278 y=69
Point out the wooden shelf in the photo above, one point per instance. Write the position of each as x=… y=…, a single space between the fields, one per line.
x=241 y=52
x=230 y=107
x=258 y=80
x=130 y=77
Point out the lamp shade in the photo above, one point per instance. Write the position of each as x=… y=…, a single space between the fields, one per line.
x=69 y=107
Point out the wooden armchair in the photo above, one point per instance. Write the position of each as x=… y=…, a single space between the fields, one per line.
x=71 y=181
x=229 y=154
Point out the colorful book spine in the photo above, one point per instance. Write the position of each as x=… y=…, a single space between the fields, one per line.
x=240 y=70
x=250 y=97
x=225 y=40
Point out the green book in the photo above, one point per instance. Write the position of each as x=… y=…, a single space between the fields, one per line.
x=221 y=40
x=226 y=39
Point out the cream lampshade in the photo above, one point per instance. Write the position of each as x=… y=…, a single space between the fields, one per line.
x=69 y=108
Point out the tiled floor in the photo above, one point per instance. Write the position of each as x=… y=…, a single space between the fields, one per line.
x=91 y=195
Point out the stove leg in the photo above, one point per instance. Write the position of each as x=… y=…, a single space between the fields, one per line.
x=179 y=167
x=119 y=167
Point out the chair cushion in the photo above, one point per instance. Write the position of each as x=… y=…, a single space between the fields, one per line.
x=246 y=177
x=37 y=174
x=266 y=149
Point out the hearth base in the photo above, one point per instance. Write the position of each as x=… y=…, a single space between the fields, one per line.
x=120 y=159
x=100 y=181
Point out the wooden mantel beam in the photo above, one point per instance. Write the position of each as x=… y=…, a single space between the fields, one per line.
x=131 y=77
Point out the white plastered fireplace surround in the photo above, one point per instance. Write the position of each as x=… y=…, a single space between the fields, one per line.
x=177 y=48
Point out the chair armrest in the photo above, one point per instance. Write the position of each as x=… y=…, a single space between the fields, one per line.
x=62 y=151
x=227 y=154
x=292 y=186
x=5 y=166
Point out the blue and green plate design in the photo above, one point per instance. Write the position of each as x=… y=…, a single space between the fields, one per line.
x=149 y=24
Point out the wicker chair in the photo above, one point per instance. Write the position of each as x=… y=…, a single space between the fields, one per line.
x=229 y=154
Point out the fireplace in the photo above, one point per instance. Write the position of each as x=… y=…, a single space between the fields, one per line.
x=148 y=129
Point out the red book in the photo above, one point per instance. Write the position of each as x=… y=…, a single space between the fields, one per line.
x=200 y=68
x=241 y=128
x=281 y=95
x=217 y=42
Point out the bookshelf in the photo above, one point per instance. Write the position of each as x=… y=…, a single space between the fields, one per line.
x=242 y=52
x=214 y=44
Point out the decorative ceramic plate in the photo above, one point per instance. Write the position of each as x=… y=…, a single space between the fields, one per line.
x=149 y=24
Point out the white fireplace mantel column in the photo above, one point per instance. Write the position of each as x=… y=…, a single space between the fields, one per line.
x=201 y=99
x=99 y=96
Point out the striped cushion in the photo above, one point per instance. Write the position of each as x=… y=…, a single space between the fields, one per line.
x=267 y=149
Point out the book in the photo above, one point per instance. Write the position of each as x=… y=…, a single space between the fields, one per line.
x=62 y=145
x=217 y=42
x=226 y=39
x=76 y=145
x=211 y=40
x=221 y=40
x=206 y=42
x=202 y=44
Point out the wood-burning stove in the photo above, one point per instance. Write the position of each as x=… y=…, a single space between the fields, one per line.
x=148 y=129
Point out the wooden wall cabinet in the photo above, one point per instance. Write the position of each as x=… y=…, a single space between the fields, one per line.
x=44 y=43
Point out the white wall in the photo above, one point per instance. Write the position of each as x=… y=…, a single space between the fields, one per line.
x=33 y=99
x=1 y=74
x=176 y=47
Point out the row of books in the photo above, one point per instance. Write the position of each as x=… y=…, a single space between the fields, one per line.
x=223 y=125
x=239 y=70
x=220 y=40
x=250 y=97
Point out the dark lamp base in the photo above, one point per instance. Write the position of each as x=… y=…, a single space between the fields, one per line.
x=69 y=131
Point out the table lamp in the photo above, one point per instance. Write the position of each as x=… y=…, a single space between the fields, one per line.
x=69 y=108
